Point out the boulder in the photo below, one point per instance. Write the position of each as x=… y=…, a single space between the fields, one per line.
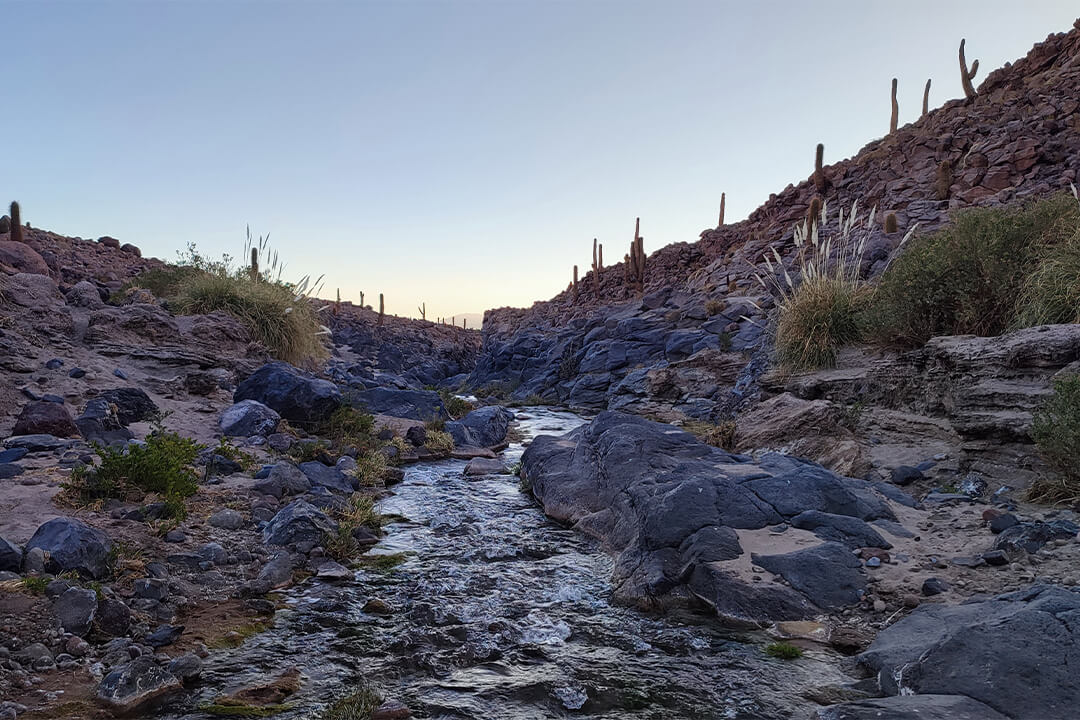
x=187 y=667
x=1014 y=652
x=137 y=687
x=912 y=707
x=283 y=479
x=84 y=294
x=298 y=521
x=412 y=404
x=227 y=519
x=39 y=442
x=101 y=424
x=483 y=427
x=22 y=258
x=45 y=418
x=667 y=506
x=72 y=545
x=851 y=531
x=249 y=417
x=76 y=608
x=331 y=478
x=275 y=574
x=132 y=404
x=11 y=556
x=486 y=466
x=297 y=397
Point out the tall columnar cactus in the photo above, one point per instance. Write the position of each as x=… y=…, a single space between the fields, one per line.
x=967 y=76
x=337 y=303
x=382 y=313
x=16 y=223
x=361 y=298
x=723 y=200
x=926 y=98
x=943 y=180
x=637 y=258
x=254 y=269
x=575 y=283
x=596 y=266
x=813 y=213
x=600 y=256
x=819 y=174
x=895 y=110
x=890 y=223
x=422 y=307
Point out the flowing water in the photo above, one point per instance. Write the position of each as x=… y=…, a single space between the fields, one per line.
x=499 y=613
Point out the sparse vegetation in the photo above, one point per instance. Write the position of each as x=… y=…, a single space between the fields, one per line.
x=457 y=407
x=226 y=708
x=383 y=563
x=721 y=434
x=1056 y=429
x=783 y=651
x=235 y=637
x=969 y=277
x=34 y=584
x=370 y=469
x=161 y=465
x=714 y=307
x=358 y=705
x=350 y=427
x=439 y=441
x=306 y=451
x=226 y=449
x=361 y=512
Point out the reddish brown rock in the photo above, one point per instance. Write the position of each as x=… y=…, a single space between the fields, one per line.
x=45 y=418
x=22 y=258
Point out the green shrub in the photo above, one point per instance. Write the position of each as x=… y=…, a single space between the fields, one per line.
x=358 y=705
x=1056 y=429
x=304 y=451
x=349 y=427
x=1050 y=294
x=457 y=407
x=966 y=278
x=783 y=650
x=439 y=441
x=361 y=512
x=370 y=469
x=161 y=465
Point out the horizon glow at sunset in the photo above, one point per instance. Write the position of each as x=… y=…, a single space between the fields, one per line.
x=458 y=154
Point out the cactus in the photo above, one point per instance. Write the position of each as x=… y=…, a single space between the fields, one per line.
x=422 y=307
x=337 y=303
x=636 y=259
x=967 y=76
x=596 y=267
x=723 y=198
x=895 y=110
x=382 y=313
x=926 y=98
x=361 y=299
x=943 y=180
x=600 y=257
x=890 y=223
x=819 y=174
x=16 y=223
x=813 y=213
x=575 y=283
x=254 y=269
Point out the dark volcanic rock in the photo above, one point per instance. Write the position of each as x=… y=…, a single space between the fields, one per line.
x=249 y=417
x=1015 y=652
x=45 y=418
x=100 y=423
x=75 y=609
x=667 y=506
x=283 y=479
x=298 y=521
x=136 y=687
x=325 y=476
x=73 y=545
x=132 y=404
x=297 y=397
x=10 y=556
x=413 y=404
x=851 y=531
x=483 y=427
x=912 y=707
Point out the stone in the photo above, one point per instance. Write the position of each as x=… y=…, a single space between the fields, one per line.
x=483 y=427
x=164 y=635
x=22 y=258
x=412 y=404
x=11 y=556
x=332 y=571
x=484 y=466
x=905 y=475
x=84 y=294
x=227 y=519
x=332 y=478
x=247 y=418
x=1032 y=536
x=391 y=710
x=72 y=545
x=851 y=531
x=1002 y=522
x=213 y=553
x=187 y=667
x=275 y=574
x=934 y=586
x=113 y=617
x=75 y=609
x=100 y=423
x=995 y=557
x=151 y=589
x=137 y=687
x=416 y=435
x=827 y=574
x=45 y=418
x=37 y=443
x=132 y=404
x=283 y=479
x=12 y=455
x=10 y=470
x=295 y=396
x=130 y=249
x=912 y=707
x=298 y=522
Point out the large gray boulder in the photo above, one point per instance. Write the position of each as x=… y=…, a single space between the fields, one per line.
x=483 y=427
x=72 y=545
x=11 y=556
x=296 y=396
x=1016 y=652
x=668 y=506
x=100 y=423
x=132 y=404
x=75 y=609
x=331 y=478
x=249 y=417
x=412 y=404
x=297 y=522
x=912 y=707
x=284 y=479
x=137 y=687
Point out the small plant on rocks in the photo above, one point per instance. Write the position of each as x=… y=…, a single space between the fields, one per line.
x=439 y=441
x=1056 y=429
x=783 y=651
x=358 y=705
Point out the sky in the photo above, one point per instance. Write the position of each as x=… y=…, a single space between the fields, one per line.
x=459 y=154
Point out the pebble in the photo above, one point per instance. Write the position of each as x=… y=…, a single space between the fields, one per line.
x=879 y=606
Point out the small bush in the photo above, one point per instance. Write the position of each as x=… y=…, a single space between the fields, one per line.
x=966 y=278
x=714 y=307
x=456 y=406
x=304 y=451
x=721 y=435
x=783 y=650
x=370 y=469
x=361 y=512
x=349 y=427
x=1056 y=429
x=358 y=705
x=439 y=441
x=1050 y=294
x=161 y=465
x=34 y=584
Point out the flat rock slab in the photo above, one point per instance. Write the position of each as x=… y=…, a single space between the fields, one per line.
x=486 y=466
x=912 y=707
x=469 y=452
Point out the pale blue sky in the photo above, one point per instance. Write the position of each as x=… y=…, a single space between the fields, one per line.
x=463 y=154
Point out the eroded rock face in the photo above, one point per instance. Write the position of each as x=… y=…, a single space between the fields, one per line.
x=297 y=397
x=669 y=506
x=1014 y=653
x=22 y=258
x=912 y=707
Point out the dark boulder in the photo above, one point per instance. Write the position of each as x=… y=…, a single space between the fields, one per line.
x=45 y=418
x=827 y=574
x=1015 y=652
x=283 y=479
x=137 y=687
x=100 y=423
x=132 y=404
x=297 y=522
x=72 y=545
x=912 y=707
x=412 y=404
x=850 y=531
x=296 y=396
x=76 y=608
x=10 y=556
x=331 y=478
x=483 y=427
x=249 y=417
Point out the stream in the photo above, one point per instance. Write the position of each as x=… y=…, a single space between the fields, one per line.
x=499 y=613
